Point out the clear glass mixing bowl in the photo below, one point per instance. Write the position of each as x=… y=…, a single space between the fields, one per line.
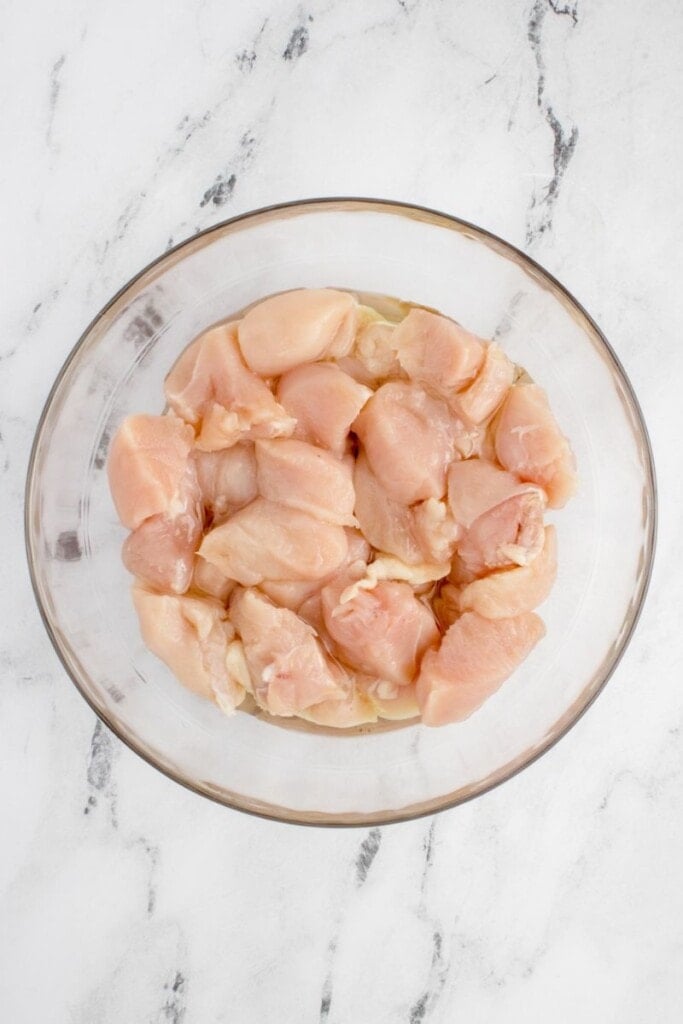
x=298 y=772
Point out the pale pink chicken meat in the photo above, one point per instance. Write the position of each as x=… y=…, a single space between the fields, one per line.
x=511 y=533
x=211 y=388
x=191 y=635
x=265 y=541
x=387 y=524
x=529 y=443
x=297 y=327
x=209 y=580
x=289 y=669
x=475 y=657
x=294 y=593
x=324 y=401
x=410 y=439
x=437 y=352
x=383 y=631
x=149 y=468
x=483 y=396
x=302 y=476
x=513 y=591
x=162 y=551
x=227 y=479
x=475 y=486
x=374 y=353
x=356 y=709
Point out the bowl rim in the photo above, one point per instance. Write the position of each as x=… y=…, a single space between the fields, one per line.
x=274 y=812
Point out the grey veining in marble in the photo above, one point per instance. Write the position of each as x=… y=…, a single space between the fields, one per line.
x=128 y=127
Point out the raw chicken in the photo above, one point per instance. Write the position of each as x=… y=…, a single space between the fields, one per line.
x=488 y=390
x=386 y=523
x=475 y=657
x=297 y=327
x=393 y=702
x=446 y=605
x=356 y=709
x=435 y=529
x=287 y=664
x=324 y=401
x=161 y=551
x=212 y=389
x=383 y=631
x=268 y=541
x=513 y=591
x=510 y=533
x=530 y=444
x=207 y=579
x=294 y=593
x=227 y=479
x=299 y=475
x=375 y=352
x=409 y=439
x=149 y=468
x=191 y=635
x=388 y=567
x=437 y=352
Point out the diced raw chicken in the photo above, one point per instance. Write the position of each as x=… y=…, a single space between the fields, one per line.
x=393 y=702
x=301 y=476
x=509 y=534
x=475 y=486
x=287 y=664
x=435 y=530
x=409 y=439
x=149 y=469
x=513 y=591
x=388 y=567
x=227 y=479
x=161 y=551
x=489 y=388
x=191 y=635
x=530 y=443
x=386 y=523
x=356 y=709
x=374 y=349
x=475 y=657
x=294 y=593
x=437 y=352
x=297 y=327
x=383 y=631
x=211 y=388
x=324 y=401
x=209 y=580
x=268 y=541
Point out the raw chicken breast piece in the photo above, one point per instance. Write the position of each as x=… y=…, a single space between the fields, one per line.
x=212 y=389
x=209 y=580
x=227 y=479
x=356 y=709
x=530 y=443
x=475 y=486
x=268 y=541
x=161 y=551
x=409 y=439
x=149 y=468
x=287 y=664
x=481 y=399
x=514 y=591
x=437 y=352
x=384 y=631
x=299 y=475
x=324 y=401
x=475 y=657
x=297 y=327
x=374 y=349
x=509 y=534
x=294 y=593
x=386 y=523
x=191 y=635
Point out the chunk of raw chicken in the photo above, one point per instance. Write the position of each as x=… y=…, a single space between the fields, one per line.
x=393 y=702
x=388 y=567
x=481 y=399
x=207 y=579
x=375 y=352
x=356 y=709
x=409 y=439
x=212 y=389
x=324 y=401
x=475 y=486
x=287 y=664
x=435 y=529
x=227 y=479
x=149 y=468
x=191 y=635
x=297 y=327
x=475 y=657
x=513 y=591
x=301 y=476
x=437 y=352
x=268 y=541
x=530 y=443
x=384 y=631
x=161 y=551
x=386 y=523
x=294 y=593
x=509 y=534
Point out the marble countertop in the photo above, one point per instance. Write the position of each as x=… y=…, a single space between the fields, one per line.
x=559 y=896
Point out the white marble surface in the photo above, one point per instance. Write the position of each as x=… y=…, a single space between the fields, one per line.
x=558 y=897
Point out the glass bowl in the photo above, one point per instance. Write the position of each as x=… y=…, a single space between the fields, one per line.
x=289 y=770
